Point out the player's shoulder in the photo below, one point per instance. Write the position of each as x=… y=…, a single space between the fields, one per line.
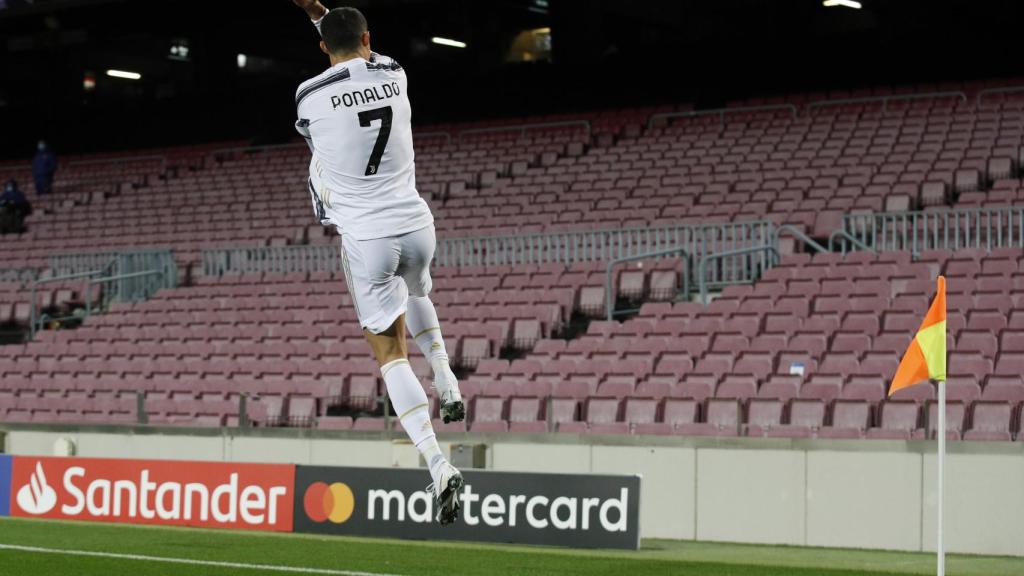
x=326 y=78
x=380 y=62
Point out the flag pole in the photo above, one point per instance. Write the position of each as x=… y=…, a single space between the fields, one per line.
x=941 y=431
x=925 y=360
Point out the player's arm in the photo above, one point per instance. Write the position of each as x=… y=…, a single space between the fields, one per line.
x=313 y=8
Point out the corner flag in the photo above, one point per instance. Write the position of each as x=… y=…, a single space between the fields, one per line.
x=925 y=358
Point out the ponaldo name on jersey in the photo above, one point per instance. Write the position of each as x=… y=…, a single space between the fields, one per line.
x=367 y=95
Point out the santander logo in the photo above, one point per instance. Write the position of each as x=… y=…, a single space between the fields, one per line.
x=37 y=497
x=215 y=494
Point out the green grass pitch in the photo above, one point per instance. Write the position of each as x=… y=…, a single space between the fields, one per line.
x=331 y=555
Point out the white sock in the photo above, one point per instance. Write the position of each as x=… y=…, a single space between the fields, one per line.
x=421 y=321
x=435 y=460
x=410 y=402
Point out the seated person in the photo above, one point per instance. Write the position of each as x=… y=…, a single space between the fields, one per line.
x=14 y=208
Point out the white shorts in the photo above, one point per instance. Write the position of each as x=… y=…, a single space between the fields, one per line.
x=381 y=273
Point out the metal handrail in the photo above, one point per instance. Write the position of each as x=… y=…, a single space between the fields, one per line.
x=590 y=245
x=107 y=279
x=954 y=229
x=263 y=148
x=1003 y=90
x=124 y=160
x=37 y=323
x=535 y=248
x=120 y=160
x=703 y=263
x=447 y=136
x=35 y=318
x=19 y=274
x=522 y=128
x=884 y=99
x=800 y=236
x=609 y=299
x=846 y=236
x=89 y=260
x=720 y=112
x=327 y=257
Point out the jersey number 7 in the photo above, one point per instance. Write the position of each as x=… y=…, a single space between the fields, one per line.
x=365 y=118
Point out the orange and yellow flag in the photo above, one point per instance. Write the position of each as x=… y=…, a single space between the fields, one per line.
x=925 y=358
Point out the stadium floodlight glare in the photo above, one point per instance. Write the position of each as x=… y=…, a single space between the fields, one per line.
x=448 y=42
x=846 y=3
x=242 y=60
x=124 y=74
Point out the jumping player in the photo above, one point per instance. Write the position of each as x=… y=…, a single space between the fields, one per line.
x=356 y=118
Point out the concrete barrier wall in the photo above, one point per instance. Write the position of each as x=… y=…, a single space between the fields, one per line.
x=876 y=494
x=864 y=499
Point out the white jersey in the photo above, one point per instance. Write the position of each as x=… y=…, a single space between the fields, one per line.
x=357 y=120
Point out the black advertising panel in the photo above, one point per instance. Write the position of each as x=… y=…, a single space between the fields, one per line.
x=571 y=510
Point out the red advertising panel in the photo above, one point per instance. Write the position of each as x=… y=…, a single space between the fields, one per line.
x=208 y=494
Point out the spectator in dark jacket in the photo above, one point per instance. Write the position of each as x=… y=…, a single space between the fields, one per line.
x=14 y=207
x=44 y=165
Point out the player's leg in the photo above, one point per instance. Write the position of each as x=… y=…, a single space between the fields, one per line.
x=406 y=394
x=380 y=299
x=413 y=410
x=421 y=319
x=426 y=331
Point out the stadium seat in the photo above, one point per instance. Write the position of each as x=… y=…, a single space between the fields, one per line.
x=763 y=416
x=850 y=419
x=955 y=416
x=990 y=421
x=898 y=420
x=722 y=418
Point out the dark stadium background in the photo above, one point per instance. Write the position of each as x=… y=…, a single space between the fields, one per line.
x=605 y=54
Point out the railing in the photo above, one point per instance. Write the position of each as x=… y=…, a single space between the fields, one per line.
x=130 y=287
x=254 y=149
x=19 y=274
x=1004 y=90
x=133 y=287
x=598 y=245
x=552 y=248
x=65 y=264
x=36 y=318
x=757 y=266
x=845 y=237
x=966 y=228
x=524 y=128
x=273 y=259
x=78 y=183
x=609 y=296
x=120 y=264
x=424 y=135
x=65 y=183
x=720 y=112
x=125 y=261
x=26 y=166
x=121 y=160
x=800 y=235
x=885 y=99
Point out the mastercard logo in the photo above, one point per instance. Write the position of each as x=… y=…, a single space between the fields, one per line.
x=334 y=502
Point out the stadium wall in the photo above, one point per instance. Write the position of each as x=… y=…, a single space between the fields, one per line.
x=852 y=494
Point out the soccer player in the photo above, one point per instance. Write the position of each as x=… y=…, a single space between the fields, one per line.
x=356 y=118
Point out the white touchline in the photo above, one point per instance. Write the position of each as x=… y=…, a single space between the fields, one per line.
x=265 y=567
